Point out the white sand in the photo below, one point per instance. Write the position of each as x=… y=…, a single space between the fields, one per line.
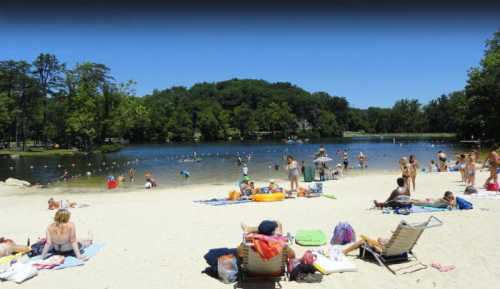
x=157 y=238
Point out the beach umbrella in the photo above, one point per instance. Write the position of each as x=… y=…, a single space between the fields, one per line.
x=323 y=160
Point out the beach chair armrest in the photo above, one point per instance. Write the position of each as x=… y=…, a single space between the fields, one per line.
x=433 y=222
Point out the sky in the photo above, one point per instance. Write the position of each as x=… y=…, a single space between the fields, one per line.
x=372 y=60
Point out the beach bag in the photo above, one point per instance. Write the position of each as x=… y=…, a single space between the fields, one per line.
x=343 y=234
x=492 y=187
x=227 y=268
x=213 y=255
x=37 y=248
x=463 y=204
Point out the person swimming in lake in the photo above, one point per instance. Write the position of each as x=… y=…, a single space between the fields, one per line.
x=362 y=160
x=150 y=181
x=345 y=160
x=399 y=197
x=442 y=158
x=61 y=237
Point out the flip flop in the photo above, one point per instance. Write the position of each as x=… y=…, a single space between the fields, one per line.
x=442 y=268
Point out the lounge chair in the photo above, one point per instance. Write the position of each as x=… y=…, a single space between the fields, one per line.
x=254 y=268
x=399 y=248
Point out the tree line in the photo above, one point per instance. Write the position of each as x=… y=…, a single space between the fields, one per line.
x=48 y=102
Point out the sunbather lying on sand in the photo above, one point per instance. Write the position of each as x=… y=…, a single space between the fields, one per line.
x=8 y=247
x=61 y=236
x=447 y=201
x=399 y=197
x=61 y=204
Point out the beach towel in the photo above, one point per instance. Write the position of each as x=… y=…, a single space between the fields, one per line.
x=267 y=249
x=222 y=202
x=327 y=265
x=49 y=263
x=310 y=238
x=88 y=252
x=19 y=272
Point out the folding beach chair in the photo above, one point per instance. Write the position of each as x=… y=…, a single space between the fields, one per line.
x=254 y=268
x=399 y=248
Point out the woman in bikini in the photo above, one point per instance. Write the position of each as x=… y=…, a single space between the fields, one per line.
x=61 y=237
x=414 y=166
x=405 y=167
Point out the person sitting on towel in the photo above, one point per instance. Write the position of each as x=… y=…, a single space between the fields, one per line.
x=61 y=237
x=447 y=201
x=400 y=196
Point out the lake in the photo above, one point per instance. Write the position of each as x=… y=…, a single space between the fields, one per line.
x=218 y=162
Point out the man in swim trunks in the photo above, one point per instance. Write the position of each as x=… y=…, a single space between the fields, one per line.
x=399 y=197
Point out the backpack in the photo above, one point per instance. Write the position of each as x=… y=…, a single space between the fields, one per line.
x=463 y=204
x=343 y=234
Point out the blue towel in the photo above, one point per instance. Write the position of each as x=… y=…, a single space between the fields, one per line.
x=71 y=261
x=422 y=209
x=221 y=202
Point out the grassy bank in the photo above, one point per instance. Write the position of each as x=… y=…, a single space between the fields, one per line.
x=44 y=152
x=353 y=134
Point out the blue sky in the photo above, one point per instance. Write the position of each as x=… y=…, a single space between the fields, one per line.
x=370 y=61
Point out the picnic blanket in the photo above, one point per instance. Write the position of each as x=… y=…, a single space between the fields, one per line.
x=221 y=202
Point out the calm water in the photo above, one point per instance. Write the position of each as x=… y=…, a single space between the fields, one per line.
x=218 y=161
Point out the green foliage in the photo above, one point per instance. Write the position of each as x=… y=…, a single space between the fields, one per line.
x=83 y=106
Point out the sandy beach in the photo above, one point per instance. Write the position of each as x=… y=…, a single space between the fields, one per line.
x=157 y=238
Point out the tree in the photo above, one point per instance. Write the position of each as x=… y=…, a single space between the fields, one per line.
x=48 y=72
x=483 y=94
